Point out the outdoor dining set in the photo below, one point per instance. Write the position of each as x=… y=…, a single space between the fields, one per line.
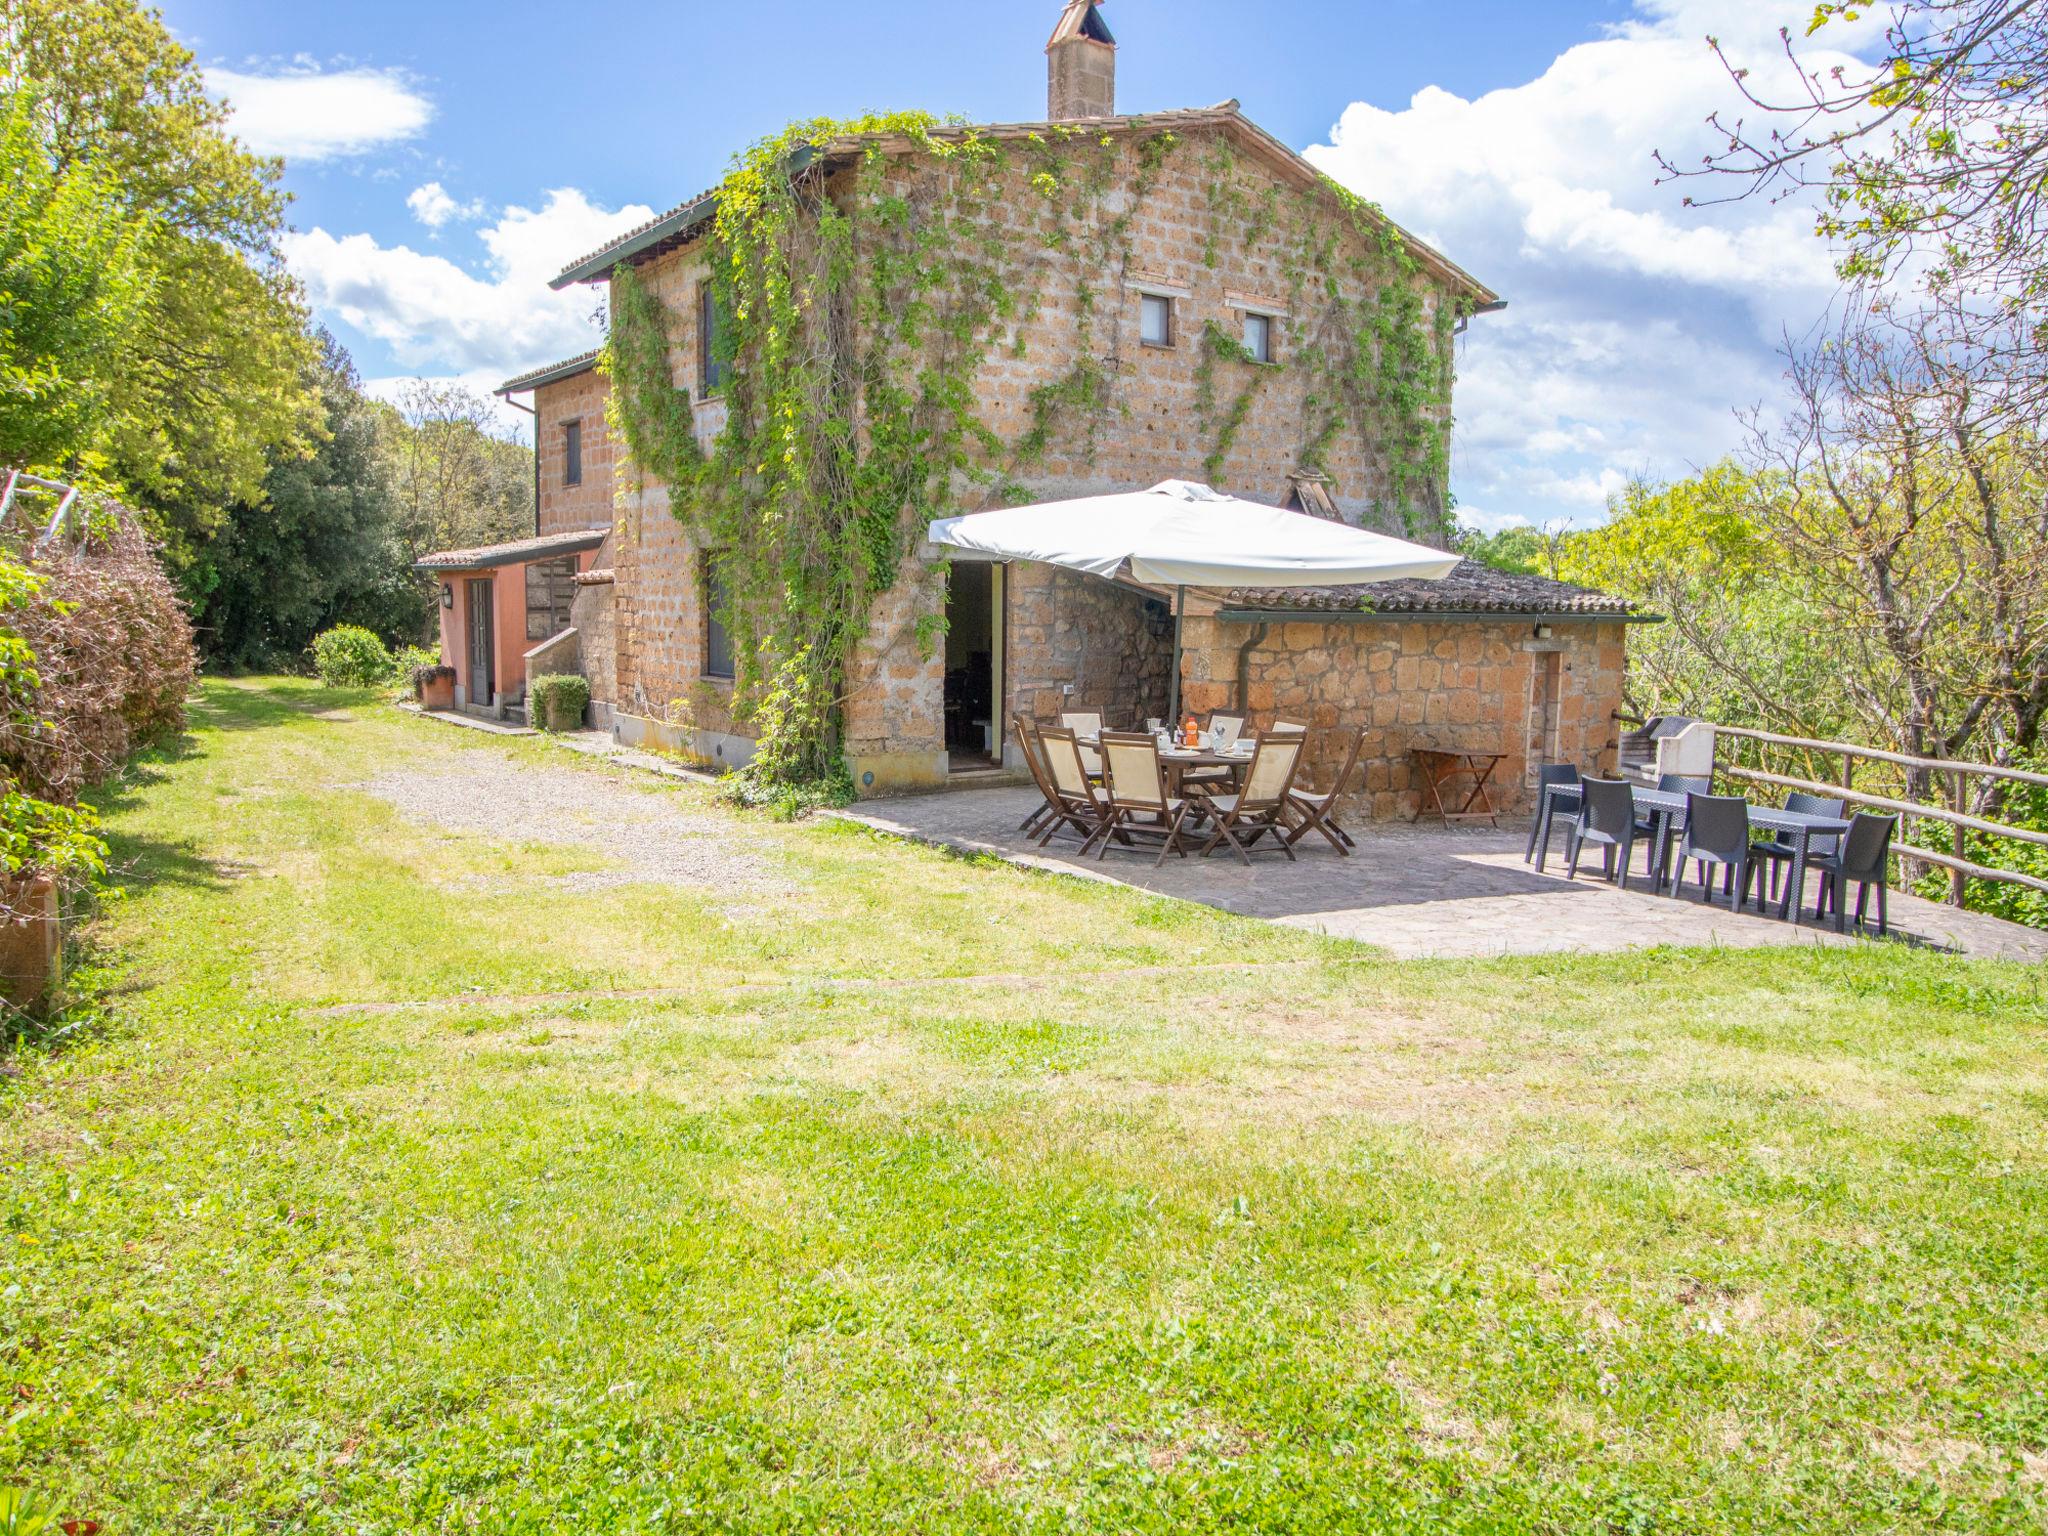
x=1126 y=788
x=1747 y=846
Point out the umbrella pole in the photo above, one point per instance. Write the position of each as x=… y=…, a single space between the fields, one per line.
x=1179 y=615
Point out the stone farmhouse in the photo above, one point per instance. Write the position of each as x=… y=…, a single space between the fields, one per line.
x=1213 y=349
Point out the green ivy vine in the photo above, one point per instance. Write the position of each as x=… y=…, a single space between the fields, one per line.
x=1376 y=355
x=864 y=290
x=1218 y=345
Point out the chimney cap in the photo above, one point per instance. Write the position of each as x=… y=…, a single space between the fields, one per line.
x=1081 y=22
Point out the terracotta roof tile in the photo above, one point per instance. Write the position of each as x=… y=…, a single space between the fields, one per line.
x=551 y=373
x=1471 y=588
x=516 y=553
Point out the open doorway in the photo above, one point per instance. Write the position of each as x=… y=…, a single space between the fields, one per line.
x=974 y=665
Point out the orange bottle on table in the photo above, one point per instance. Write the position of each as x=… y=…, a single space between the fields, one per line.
x=1190 y=735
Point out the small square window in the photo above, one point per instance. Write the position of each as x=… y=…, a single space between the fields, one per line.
x=1258 y=337
x=572 y=453
x=1155 y=320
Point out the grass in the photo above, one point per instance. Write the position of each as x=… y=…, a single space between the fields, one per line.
x=889 y=1213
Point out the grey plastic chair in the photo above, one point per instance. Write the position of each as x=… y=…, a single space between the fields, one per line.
x=1717 y=836
x=1548 y=774
x=1777 y=852
x=1865 y=858
x=1606 y=819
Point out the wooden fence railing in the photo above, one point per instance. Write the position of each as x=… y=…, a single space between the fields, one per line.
x=1954 y=775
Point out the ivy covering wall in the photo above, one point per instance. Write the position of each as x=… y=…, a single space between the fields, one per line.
x=868 y=271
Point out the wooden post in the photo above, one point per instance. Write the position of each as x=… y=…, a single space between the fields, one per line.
x=1958 y=882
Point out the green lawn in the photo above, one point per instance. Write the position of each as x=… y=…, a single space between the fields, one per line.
x=896 y=1208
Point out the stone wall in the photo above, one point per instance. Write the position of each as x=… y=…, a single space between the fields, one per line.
x=566 y=508
x=1113 y=644
x=1449 y=684
x=591 y=616
x=896 y=693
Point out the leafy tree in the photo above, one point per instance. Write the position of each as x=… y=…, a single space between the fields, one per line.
x=1920 y=530
x=1523 y=550
x=211 y=383
x=73 y=287
x=323 y=548
x=1741 y=642
x=457 y=485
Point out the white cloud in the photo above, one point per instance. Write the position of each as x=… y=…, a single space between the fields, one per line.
x=1479 y=520
x=305 y=112
x=439 y=317
x=1636 y=326
x=433 y=207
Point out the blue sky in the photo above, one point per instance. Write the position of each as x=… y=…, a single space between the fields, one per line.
x=446 y=158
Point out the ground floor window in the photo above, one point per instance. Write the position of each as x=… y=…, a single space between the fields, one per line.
x=718 y=653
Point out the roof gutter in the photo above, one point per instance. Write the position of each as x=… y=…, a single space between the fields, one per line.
x=534 y=412
x=1424 y=616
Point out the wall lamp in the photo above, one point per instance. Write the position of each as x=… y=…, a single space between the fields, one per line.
x=447 y=595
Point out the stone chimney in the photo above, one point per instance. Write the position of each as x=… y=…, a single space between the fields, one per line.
x=1080 y=65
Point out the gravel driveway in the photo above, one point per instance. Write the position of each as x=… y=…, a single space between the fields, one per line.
x=650 y=836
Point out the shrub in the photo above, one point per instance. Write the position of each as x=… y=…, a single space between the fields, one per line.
x=348 y=657
x=433 y=672
x=409 y=660
x=109 y=658
x=557 y=702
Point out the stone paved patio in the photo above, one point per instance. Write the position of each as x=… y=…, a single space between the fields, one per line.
x=1425 y=890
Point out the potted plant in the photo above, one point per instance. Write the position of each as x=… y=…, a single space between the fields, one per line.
x=434 y=687
x=557 y=701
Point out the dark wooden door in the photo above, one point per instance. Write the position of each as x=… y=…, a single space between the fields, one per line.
x=482 y=670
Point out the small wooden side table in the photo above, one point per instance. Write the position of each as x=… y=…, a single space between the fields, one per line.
x=1441 y=769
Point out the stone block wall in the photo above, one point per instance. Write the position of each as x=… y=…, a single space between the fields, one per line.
x=1113 y=644
x=896 y=693
x=1215 y=266
x=566 y=508
x=1449 y=684
x=591 y=616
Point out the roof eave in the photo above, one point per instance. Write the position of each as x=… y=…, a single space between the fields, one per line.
x=540 y=378
x=679 y=227
x=683 y=225
x=1424 y=615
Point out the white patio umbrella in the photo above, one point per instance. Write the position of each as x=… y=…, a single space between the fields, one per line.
x=1181 y=534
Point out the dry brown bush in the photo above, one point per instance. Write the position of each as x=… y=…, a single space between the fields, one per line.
x=113 y=648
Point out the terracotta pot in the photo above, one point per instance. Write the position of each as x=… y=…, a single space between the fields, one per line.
x=31 y=941
x=438 y=693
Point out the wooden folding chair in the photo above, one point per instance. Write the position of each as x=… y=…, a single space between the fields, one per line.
x=1027 y=743
x=1318 y=812
x=1086 y=722
x=1075 y=801
x=1261 y=806
x=1137 y=790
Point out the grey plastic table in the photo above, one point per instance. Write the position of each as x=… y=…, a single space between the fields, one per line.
x=1666 y=810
